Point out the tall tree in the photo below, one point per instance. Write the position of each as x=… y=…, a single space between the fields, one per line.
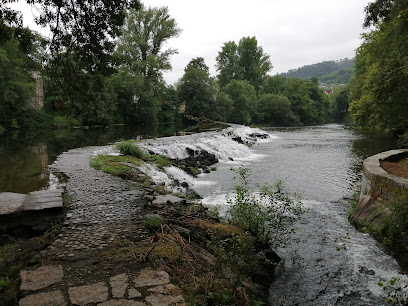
x=379 y=92
x=197 y=89
x=143 y=58
x=245 y=61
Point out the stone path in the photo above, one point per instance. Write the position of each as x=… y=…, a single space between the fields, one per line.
x=147 y=287
x=103 y=209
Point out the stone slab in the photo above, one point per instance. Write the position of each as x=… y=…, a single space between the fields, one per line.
x=52 y=298
x=119 y=284
x=87 y=294
x=38 y=200
x=10 y=202
x=168 y=198
x=164 y=300
x=41 y=277
x=147 y=278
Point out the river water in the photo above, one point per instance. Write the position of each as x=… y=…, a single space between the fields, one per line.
x=332 y=263
x=329 y=262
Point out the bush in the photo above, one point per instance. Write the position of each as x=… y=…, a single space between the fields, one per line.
x=130 y=148
x=269 y=213
x=2 y=129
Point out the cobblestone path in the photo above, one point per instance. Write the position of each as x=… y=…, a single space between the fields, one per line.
x=103 y=209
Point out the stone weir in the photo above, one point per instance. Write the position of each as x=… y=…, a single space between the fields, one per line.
x=101 y=210
x=376 y=210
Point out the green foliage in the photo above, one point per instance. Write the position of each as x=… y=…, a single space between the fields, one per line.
x=64 y=122
x=243 y=96
x=2 y=129
x=308 y=101
x=379 y=91
x=268 y=214
x=129 y=148
x=5 y=283
x=16 y=84
x=275 y=110
x=243 y=61
x=143 y=59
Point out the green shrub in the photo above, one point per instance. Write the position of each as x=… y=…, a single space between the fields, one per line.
x=269 y=213
x=2 y=129
x=130 y=148
x=61 y=122
x=115 y=165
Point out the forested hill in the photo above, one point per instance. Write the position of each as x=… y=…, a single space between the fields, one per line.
x=331 y=72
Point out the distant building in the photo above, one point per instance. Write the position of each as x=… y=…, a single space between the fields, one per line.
x=328 y=91
x=37 y=101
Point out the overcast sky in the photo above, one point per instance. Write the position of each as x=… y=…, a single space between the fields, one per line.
x=293 y=32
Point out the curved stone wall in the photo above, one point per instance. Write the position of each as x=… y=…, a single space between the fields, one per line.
x=380 y=191
x=378 y=185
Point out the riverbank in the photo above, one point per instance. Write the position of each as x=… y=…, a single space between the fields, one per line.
x=125 y=242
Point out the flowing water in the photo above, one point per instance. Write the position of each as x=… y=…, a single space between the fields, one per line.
x=332 y=263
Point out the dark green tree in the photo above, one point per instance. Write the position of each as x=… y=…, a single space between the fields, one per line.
x=197 y=89
x=143 y=60
x=275 y=110
x=379 y=92
x=16 y=84
x=243 y=96
x=245 y=61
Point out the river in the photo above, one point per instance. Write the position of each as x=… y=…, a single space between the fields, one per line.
x=329 y=262
x=332 y=263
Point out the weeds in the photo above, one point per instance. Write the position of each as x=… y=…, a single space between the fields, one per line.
x=269 y=214
x=131 y=149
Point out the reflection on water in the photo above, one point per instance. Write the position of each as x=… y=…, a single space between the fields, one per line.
x=24 y=156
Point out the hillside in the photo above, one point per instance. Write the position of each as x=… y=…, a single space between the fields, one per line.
x=330 y=72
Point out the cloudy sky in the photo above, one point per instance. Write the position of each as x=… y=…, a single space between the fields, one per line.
x=293 y=32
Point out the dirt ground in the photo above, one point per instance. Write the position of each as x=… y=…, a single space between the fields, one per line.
x=399 y=168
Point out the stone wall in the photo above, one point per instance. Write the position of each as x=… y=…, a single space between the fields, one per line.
x=379 y=192
x=377 y=185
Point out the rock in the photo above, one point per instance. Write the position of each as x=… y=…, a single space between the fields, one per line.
x=164 y=300
x=41 y=277
x=168 y=198
x=238 y=139
x=147 y=278
x=119 y=284
x=133 y=293
x=52 y=298
x=122 y=303
x=83 y=295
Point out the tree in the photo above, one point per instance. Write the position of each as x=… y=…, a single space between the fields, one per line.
x=274 y=85
x=243 y=96
x=197 y=89
x=275 y=110
x=144 y=59
x=16 y=85
x=379 y=92
x=245 y=61
x=308 y=101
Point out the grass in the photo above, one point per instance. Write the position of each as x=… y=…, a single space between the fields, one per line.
x=115 y=165
x=131 y=149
